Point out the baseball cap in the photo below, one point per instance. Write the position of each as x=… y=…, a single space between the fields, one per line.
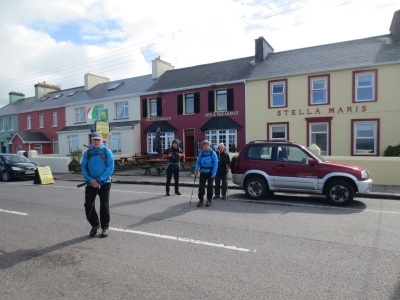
x=96 y=136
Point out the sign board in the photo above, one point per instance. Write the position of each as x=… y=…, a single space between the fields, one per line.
x=103 y=128
x=43 y=175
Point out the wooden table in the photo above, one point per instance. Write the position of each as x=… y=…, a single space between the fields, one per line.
x=188 y=161
x=159 y=164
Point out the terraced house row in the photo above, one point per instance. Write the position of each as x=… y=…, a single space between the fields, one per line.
x=343 y=97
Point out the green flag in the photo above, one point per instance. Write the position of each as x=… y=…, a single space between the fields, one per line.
x=104 y=115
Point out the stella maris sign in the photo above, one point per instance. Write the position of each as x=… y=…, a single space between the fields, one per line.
x=317 y=111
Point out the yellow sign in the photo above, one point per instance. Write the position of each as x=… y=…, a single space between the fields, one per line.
x=43 y=175
x=103 y=128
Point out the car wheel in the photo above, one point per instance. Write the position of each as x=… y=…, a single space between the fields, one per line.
x=5 y=176
x=339 y=192
x=256 y=188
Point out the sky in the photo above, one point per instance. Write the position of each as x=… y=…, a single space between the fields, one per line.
x=59 y=41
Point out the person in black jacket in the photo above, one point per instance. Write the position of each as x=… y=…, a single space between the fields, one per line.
x=173 y=156
x=223 y=166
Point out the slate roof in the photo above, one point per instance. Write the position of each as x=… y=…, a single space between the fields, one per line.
x=352 y=54
x=215 y=73
x=31 y=137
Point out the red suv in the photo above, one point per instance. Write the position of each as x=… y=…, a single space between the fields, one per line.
x=263 y=167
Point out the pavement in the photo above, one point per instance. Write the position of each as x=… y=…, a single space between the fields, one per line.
x=137 y=176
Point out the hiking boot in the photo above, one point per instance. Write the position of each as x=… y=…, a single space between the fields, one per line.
x=93 y=231
x=216 y=197
x=200 y=204
x=223 y=197
x=177 y=193
x=104 y=233
x=168 y=194
x=209 y=203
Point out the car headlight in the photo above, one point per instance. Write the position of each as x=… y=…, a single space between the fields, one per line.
x=16 y=168
x=364 y=174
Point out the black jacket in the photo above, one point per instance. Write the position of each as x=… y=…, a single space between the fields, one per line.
x=173 y=160
x=223 y=161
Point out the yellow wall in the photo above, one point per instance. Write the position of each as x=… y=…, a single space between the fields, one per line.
x=387 y=108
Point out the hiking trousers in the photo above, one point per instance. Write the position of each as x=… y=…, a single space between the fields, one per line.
x=90 y=208
x=205 y=178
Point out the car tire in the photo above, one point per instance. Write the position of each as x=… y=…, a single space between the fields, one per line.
x=256 y=188
x=232 y=165
x=339 y=192
x=5 y=176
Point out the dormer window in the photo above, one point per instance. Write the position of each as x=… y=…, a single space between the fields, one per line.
x=114 y=86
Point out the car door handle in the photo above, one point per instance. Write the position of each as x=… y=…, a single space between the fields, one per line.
x=281 y=166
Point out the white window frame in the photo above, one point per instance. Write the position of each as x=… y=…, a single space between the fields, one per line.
x=11 y=124
x=278 y=126
x=372 y=86
x=116 y=143
x=80 y=115
x=226 y=136
x=28 y=122
x=56 y=147
x=319 y=90
x=73 y=143
x=189 y=102
x=283 y=93
x=41 y=121
x=122 y=112
x=221 y=100
x=374 y=137
x=166 y=141
x=55 y=119
x=153 y=107
x=313 y=134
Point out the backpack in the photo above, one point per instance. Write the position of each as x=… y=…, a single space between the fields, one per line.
x=205 y=155
x=103 y=156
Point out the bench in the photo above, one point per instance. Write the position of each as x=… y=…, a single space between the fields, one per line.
x=159 y=169
x=147 y=168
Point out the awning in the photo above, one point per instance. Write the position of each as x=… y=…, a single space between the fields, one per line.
x=163 y=125
x=221 y=123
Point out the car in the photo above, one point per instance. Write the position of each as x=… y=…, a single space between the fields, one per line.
x=13 y=166
x=264 y=167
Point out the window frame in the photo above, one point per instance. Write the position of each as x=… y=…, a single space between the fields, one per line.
x=277 y=124
x=2 y=125
x=56 y=146
x=321 y=120
x=152 y=114
x=226 y=136
x=38 y=146
x=376 y=138
x=311 y=79
x=166 y=140
x=55 y=119
x=271 y=83
x=28 y=122
x=185 y=103
x=221 y=93
x=41 y=121
x=116 y=137
x=374 y=73
x=125 y=110
x=11 y=120
x=78 y=113
x=72 y=139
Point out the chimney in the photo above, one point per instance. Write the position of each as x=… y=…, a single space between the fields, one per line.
x=15 y=96
x=43 y=88
x=395 y=26
x=262 y=49
x=92 y=80
x=159 y=67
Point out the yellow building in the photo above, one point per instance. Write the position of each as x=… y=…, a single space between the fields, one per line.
x=344 y=97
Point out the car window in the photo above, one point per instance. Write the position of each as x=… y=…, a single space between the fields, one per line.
x=292 y=154
x=262 y=152
x=16 y=158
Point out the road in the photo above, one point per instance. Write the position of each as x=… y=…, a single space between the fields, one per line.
x=163 y=248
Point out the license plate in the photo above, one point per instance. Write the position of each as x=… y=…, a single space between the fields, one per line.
x=30 y=172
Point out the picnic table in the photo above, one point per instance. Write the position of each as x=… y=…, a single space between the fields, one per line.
x=158 y=164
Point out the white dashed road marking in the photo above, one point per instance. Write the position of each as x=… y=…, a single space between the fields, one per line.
x=13 y=212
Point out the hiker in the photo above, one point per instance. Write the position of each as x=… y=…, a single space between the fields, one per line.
x=97 y=167
x=207 y=165
x=223 y=167
x=173 y=155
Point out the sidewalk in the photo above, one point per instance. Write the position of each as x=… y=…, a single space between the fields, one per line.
x=137 y=176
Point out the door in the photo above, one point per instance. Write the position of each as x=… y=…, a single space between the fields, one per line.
x=292 y=170
x=189 y=143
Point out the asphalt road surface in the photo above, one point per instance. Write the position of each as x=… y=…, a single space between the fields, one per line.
x=164 y=248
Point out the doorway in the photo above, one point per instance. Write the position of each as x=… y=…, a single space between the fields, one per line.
x=188 y=142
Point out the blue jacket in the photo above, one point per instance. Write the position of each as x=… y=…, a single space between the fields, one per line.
x=208 y=161
x=96 y=168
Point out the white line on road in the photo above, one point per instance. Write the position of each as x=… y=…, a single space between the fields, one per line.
x=179 y=239
x=13 y=212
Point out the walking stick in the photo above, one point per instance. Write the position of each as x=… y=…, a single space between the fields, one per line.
x=195 y=175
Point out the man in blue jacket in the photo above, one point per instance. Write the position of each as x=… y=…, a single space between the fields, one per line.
x=97 y=167
x=207 y=164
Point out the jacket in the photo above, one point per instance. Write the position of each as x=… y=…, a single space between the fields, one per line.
x=224 y=161
x=208 y=161
x=173 y=160
x=96 y=167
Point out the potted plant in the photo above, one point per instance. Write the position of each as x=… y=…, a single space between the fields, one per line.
x=75 y=164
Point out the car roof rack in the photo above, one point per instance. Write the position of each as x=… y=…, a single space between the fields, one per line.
x=274 y=141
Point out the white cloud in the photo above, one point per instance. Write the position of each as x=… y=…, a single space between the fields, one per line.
x=184 y=33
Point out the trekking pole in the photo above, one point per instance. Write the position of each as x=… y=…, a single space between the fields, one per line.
x=195 y=175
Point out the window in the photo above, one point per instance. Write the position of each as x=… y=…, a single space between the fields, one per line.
x=41 y=121
x=54 y=119
x=263 y=152
x=153 y=107
x=73 y=143
x=56 y=149
x=318 y=133
x=114 y=86
x=166 y=140
x=2 y=125
x=319 y=89
x=277 y=93
x=365 y=88
x=122 y=110
x=100 y=108
x=228 y=137
x=57 y=96
x=188 y=103
x=38 y=148
x=11 y=124
x=365 y=137
x=72 y=93
x=28 y=122
x=224 y=100
x=278 y=131
x=116 y=143
x=80 y=115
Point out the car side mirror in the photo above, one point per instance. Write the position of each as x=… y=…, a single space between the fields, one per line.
x=311 y=161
